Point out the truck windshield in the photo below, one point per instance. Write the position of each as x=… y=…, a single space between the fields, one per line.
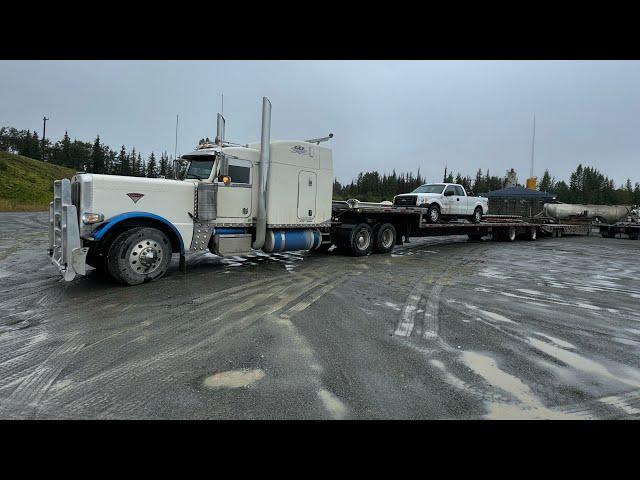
x=429 y=189
x=200 y=169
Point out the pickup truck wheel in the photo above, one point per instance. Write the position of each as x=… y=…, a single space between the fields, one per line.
x=433 y=214
x=384 y=237
x=360 y=240
x=139 y=255
x=477 y=215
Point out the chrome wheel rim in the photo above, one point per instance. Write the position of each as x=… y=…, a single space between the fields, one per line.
x=146 y=256
x=387 y=238
x=433 y=215
x=478 y=215
x=363 y=239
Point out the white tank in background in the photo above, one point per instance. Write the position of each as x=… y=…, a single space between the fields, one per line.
x=604 y=213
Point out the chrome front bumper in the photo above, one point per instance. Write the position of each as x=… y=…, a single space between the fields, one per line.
x=65 y=247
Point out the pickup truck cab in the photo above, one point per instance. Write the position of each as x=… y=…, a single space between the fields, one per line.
x=444 y=201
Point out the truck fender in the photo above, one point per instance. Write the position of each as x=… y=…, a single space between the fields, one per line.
x=131 y=217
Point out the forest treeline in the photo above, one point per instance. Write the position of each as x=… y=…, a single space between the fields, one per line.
x=94 y=157
x=586 y=184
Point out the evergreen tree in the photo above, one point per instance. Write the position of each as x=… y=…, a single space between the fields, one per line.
x=152 y=168
x=97 y=160
x=123 y=162
x=164 y=165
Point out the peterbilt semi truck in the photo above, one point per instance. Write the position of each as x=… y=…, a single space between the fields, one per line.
x=272 y=196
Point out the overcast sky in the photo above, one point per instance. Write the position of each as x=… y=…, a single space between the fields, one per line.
x=384 y=114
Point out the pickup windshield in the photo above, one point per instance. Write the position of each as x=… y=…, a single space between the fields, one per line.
x=200 y=168
x=429 y=189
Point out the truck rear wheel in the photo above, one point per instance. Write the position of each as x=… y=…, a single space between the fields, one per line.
x=360 y=240
x=139 y=255
x=532 y=233
x=477 y=215
x=384 y=237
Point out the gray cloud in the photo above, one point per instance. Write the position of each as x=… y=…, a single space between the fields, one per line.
x=384 y=114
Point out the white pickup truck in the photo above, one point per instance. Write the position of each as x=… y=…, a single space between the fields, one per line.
x=444 y=200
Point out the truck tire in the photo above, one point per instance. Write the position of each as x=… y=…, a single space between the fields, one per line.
x=139 y=255
x=433 y=214
x=532 y=233
x=477 y=215
x=360 y=240
x=384 y=238
x=475 y=237
x=508 y=235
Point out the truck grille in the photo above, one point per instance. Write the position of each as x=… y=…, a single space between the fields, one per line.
x=406 y=201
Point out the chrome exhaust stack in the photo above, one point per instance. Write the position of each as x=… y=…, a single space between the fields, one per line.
x=265 y=144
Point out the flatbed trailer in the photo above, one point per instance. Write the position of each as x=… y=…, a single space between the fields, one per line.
x=631 y=229
x=358 y=227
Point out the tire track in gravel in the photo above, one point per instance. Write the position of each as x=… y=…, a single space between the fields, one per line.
x=184 y=349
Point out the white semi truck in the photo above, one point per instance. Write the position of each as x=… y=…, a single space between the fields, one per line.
x=271 y=196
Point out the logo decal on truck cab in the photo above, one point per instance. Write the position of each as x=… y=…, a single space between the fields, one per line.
x=299 y=149
x=135 y=196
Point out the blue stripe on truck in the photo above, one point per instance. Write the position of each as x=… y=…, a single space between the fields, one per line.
x=105 y=227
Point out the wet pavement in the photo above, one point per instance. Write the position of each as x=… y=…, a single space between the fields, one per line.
x=441 y=328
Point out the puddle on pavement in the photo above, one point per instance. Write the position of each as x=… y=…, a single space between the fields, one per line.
x=234 y=378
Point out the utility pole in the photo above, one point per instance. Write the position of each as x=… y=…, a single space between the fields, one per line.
x=44 y=131
x=533 y=143
x=175 y=152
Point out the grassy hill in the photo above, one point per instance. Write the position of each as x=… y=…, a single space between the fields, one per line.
x=27 y=184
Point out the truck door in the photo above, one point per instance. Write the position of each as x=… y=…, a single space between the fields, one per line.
x=307 y=189
x=461 y=202
x=234 y=200
x=449 y=201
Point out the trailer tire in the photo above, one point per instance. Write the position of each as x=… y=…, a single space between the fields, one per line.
x=475 y=237
x=634 y=236
x=433 y=213
x=477 y=215
x=360 y=242
x=139 y=255
x=532 y=233
x=384 y=238
x=509 y=235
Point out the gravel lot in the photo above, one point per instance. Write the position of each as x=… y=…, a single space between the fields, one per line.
x=440 y=329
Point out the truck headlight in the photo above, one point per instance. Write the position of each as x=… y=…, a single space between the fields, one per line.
x=89 y=218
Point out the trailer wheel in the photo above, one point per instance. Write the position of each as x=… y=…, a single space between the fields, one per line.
x=139 y=255
x=510 y=234
x=477 y=215
x=532 y=233
x=474 y=237
x=634 y=236
x=384 y=238
x=360 y=240
x=433 y=214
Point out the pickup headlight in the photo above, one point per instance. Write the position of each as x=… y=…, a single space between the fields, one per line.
x=90 y=218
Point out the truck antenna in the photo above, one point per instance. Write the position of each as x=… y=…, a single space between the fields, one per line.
x=175 y=152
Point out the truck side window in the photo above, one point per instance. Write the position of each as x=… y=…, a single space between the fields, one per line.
x=239 y=174
x=451 y=189
x=459 y=191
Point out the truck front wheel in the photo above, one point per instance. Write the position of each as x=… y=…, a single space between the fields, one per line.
x=139 y=255
x=384 y=237
x=360 y=240
x=433 y=214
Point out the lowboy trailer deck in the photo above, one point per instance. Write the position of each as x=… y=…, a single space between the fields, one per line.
x=362 y=228
x=631 y=229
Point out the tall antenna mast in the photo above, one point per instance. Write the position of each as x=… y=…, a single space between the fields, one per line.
x=533 y=143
